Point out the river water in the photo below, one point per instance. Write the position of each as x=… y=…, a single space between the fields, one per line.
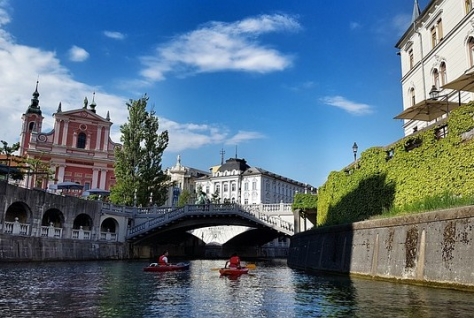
x=122 y=289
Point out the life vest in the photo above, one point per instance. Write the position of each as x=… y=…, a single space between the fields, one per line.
x=163 y=260
x=234 y=262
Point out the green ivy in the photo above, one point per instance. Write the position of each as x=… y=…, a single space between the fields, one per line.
x=305 y=202
x=412 y=169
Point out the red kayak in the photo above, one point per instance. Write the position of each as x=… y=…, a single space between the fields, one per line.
x=233 y=271
x=154 y=267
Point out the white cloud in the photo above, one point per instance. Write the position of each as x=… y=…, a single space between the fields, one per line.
x=78 y=54
x=385 y=28
x=21 y=66
x=243 y=136
x=194 y=136
x=355 y=25
x=4 y=16
x=400 y=23
x=219 y=46
x=114 y=35
x=346 y=105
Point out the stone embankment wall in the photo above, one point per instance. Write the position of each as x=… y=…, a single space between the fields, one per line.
x=435 y=249
x=31 y=244
x=17 y=248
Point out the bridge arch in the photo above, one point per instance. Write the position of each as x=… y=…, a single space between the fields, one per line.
x=110 y=225
x=18 y=210
x=83 y=220
x=54 y=217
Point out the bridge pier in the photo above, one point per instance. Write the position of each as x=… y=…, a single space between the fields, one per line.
x=304 y=219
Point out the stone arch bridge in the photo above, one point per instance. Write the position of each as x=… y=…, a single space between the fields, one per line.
x=266 y=221
x=72 y=224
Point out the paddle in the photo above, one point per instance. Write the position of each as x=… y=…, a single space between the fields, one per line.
x=249 y=266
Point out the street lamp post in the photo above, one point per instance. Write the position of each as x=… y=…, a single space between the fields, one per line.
x=434 y=93
x=135 y=198
x=354 y=150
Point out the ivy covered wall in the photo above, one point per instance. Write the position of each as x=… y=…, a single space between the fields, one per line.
x=426 y=164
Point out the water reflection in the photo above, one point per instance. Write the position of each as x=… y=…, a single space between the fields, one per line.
x=122 y=289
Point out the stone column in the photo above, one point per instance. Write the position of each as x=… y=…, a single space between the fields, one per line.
x=105 y=140
x=57 y=128
x=103 y=177
x=95 y=178
x=296 y=216
x=60 y=173
x=64 y=137
x=99 y=135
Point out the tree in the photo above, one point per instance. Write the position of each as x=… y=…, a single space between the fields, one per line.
x=8 y=151
x=39 y=169
x=140 y=179
x=184 y=198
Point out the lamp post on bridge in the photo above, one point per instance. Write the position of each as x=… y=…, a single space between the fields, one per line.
x=135 y=198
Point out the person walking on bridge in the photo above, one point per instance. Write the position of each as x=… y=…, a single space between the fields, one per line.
x=163 y=259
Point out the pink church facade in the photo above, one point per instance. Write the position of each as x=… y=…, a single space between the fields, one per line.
x=78 y=148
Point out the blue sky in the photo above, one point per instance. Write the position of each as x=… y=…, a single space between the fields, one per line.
x=287 y=85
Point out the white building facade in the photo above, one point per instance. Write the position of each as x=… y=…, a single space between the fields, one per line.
x=183 y=179
x=436 y=49
x=235 y=182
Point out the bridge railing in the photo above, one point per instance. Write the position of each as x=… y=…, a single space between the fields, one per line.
x=16 y=228
x=257 y=211
x=51 y=231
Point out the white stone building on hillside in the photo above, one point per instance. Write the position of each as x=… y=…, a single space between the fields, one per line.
x=237 y=182
x=436 y=51
x=183 y=179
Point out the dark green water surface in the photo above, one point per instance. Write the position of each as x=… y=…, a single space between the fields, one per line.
x=123 y=289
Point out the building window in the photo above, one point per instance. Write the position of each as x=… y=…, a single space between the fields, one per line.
x=254 y=185
x=207 y=189
x=434 y=37
x=226 y=187
x=246 y=186
x=442 y=73
x=31 y=126
x=412 y=96
x=468 y=5
x=233 y=187
x=436 y=78
x=439 y=27
x=470 y=45
x=412 y=58
x=81 y=140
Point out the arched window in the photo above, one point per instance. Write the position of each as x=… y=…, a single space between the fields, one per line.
x=468 y=5
x=81 y=140
x=31 y=126
x=442 y=73
x=470 y=46
x=412 y=96
x=436 y=78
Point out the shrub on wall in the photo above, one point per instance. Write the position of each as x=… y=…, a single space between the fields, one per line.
x=305 y=202
x=414 y=168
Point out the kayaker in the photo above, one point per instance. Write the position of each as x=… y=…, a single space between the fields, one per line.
x=234 y=261
x=163 y=260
